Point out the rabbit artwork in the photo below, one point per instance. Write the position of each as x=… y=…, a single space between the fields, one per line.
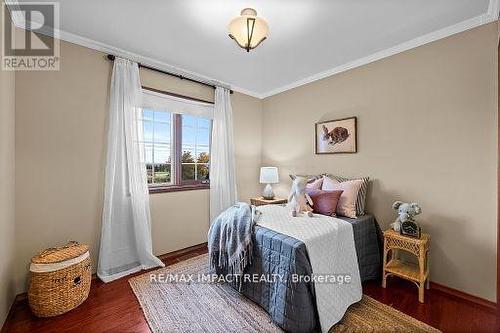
x=337 y=135
x=299 y=200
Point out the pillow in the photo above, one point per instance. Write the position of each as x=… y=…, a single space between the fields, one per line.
x=314 y=184
x=309 y=177
x=347 y=201
x=361 y=199
x=324 y=202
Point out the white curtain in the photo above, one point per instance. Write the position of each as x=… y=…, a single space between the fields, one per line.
x=223 y=192
x=126 y=245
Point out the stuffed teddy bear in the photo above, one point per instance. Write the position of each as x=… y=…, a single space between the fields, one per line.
x=406 y=212
x=299 y=200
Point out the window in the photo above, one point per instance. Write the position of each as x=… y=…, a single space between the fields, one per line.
x=195 y=149
x=157 y=127
x=177 y=150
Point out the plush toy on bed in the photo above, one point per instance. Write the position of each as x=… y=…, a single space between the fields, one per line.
x=299 y=200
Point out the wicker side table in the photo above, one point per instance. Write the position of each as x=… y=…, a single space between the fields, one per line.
x=417 y=273
x=260 y=201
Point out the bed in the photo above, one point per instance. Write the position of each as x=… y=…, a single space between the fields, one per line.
x=292 y=306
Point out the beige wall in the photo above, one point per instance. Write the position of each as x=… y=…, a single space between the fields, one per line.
x=427 y=133
x=7 y=189
x=180 y=219
x=60 y=154
x=427 y=127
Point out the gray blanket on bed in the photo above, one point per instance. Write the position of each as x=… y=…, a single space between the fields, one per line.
x=230 y=239
x=292 y=306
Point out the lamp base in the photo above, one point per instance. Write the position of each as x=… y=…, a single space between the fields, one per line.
x=268 y=192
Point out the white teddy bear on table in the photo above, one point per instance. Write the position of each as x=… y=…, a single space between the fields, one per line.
x=406 y=213
x=299 y=200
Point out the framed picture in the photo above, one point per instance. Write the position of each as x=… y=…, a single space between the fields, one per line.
x=336 y=136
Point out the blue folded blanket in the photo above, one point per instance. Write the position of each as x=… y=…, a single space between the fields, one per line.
x=230 y=239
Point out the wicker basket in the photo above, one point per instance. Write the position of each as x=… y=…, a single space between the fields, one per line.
x=60 y=279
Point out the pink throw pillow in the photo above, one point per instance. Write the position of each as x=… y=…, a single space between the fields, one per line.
x=315 y=184
x=324 y=202
x=347 y=201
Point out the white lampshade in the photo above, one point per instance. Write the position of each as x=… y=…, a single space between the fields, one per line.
x=269 y=175
x=248 y=30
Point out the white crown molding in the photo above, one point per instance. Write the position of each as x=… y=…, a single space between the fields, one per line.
x=474 y=22
x=491 y=16
x=248 y=92
x=106 y=48
x=493 y=9
x=109 y=49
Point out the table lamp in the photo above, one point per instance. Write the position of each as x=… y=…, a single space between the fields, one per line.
x=268 y=176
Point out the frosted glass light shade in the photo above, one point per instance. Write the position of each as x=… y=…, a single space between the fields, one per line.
x=248 y=30
x=269 y=175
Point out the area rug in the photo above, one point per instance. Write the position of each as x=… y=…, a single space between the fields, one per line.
x=186 y=305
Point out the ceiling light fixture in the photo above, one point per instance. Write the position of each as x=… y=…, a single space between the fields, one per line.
x=248 y=30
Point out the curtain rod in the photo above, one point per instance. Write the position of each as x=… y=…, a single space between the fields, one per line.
x=112 y=58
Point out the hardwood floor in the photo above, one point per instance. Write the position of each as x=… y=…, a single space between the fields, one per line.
x=113 y=307
x=440 y=310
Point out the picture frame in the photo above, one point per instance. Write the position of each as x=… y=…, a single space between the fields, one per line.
x=338 y=136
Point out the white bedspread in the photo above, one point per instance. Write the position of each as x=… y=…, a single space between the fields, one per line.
x=330 y=245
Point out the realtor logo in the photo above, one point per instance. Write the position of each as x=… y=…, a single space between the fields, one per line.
x=34 y=44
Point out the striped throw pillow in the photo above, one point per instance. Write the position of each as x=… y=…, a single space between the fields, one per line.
x=310 y=178
x=360 y=200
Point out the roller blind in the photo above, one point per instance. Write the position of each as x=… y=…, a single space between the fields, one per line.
x=158 y=101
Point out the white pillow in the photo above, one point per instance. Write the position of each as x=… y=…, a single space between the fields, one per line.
x=347 y=201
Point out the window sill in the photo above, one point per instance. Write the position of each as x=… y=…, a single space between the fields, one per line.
x=178 y=188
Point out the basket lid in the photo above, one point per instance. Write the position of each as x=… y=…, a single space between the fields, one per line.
x=58 y=254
